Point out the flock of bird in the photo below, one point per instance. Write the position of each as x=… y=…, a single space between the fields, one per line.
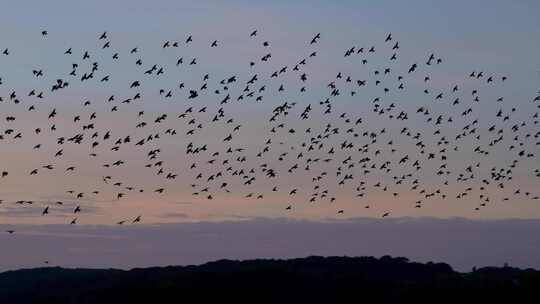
x=440 y=150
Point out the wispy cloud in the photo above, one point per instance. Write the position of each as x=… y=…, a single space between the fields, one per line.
x=175 y=215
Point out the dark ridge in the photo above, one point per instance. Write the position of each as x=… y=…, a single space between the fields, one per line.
x=305 y=280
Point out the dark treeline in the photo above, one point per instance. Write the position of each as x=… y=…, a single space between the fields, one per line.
x=306 y=280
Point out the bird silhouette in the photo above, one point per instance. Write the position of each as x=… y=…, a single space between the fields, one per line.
x=357 y=140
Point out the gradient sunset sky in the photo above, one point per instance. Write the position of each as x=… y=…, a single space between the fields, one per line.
x=497 y=37
x=493 y=36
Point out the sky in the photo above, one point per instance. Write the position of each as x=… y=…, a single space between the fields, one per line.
x=462 y=243
x=499 y=38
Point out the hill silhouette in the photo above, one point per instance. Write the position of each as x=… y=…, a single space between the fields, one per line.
x=304 y=280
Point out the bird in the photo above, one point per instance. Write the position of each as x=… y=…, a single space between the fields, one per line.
x=358 y=139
